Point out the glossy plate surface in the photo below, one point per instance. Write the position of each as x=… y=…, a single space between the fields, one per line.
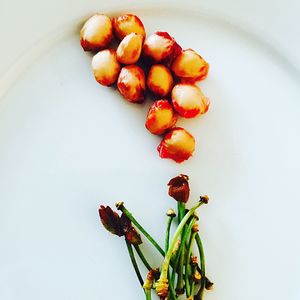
x=69 y=144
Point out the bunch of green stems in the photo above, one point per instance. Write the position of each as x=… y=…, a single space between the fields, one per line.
x=183 y=267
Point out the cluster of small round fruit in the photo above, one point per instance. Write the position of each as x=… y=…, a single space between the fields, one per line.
x=171 y=76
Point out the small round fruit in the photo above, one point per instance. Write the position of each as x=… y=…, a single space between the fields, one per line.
x=188 y=100
x=131 y=83
x=106 y=67
x=96 y=33
x=126 y=24
x=130 y=49
x=189 y=66
x=160 y=47
x=161 y=117
x=160 y=80
x=177 y=144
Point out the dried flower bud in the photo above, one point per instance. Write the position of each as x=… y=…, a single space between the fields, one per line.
x=208 y=284
x=204 y=199
x=179 y=188
x=96 y=33
x=110 y=220
x=188 y=100
x=197 y=276
x=195 y=227
x=160 y=47
x=194 y=260
x=126 y=24
x=171 y=213
x=160 y=80
x=106 y=67
x=131 y=83
x=151 y=276
x=189 y=66
x=177 y=144
x=129 y=50
x=162 y=288
x=161 y=117
x=131 y=235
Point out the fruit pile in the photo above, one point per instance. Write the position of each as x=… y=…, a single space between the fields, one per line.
x=171 y=76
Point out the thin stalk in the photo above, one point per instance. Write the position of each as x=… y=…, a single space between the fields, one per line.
x=181 y=210
x=129 y=215
x=148 y=294
x=172 y=289
x=179 y=261
x=134 y=263
x=166 y=262
x=142 y=257
x=167 y=241
x=188 y=289
x=202 y=263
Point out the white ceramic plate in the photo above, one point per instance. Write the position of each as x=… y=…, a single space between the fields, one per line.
x=69 y=144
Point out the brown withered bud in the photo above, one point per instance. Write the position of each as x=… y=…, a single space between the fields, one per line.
x=179 y=188
x=110 y=220
x=204 y=199
x=208 y=284
x=131 y=235
x=152 y=275
x=197 y=276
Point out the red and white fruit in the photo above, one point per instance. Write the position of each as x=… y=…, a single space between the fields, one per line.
x=131 y=83
x=130 y=48
x=189 y=66
x=105 y=66
x=161 y=117
x=178 y=144
x=188 y=100
x=160 y=47
x=126 y=24
x=96 y=33
x=160 y=80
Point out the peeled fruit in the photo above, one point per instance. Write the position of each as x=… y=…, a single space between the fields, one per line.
x=106 y=67
x=188 y=100
x=160 y=80
x=160 y=47
x=130 y=49
x=131 y=83
x=96 y=33
x=177 y=144
x=189 y=66
x=161 y=117
x=126 y=24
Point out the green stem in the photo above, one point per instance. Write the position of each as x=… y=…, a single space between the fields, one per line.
x=135 y=266
x=187 y=266
x=148 y=294
x=181 y=210
x=142 y=257
x=166 y=262
x=179 y=261
x=128 y=214
x=202 y=263
x=172 y=289
x=167 y=241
